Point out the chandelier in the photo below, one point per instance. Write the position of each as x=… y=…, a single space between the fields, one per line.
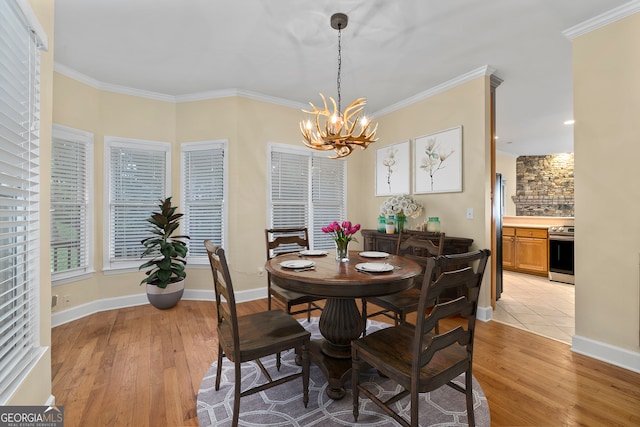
x=337 y=130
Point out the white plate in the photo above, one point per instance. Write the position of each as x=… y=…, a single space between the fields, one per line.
x=374 y=254
x=313 y=253
x=297 y=263
x=374 y=267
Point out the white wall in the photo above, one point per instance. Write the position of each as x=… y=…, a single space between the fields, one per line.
x=506 y=165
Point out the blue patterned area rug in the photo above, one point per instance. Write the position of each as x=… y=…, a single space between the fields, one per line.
x=282 y=405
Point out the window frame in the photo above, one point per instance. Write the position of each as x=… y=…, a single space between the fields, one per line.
x=208 y=145
x=129 y=264
x=86 y=138
x=21 y=188
x=310 y=219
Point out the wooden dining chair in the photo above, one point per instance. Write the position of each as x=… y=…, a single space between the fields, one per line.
x=282 y=241
x=417 y=359
x=397 y=306
x=253 y=336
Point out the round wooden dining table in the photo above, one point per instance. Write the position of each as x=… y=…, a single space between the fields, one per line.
x=341 y=283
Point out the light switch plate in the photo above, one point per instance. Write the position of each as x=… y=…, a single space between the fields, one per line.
x=469 y=213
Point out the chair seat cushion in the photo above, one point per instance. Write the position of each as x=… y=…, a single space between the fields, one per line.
x=292 y=297
x=263 y=334
x=395 y=360
x=405 y=301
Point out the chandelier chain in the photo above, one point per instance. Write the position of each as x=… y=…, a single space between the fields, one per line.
x=337 y=130
x=339 y=66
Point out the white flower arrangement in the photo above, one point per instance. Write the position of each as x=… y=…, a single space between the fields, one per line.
x=401 y=203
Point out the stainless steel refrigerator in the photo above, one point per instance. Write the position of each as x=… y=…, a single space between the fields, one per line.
x=498 y=207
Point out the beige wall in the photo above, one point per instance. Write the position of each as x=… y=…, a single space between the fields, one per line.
x=466 y=105
x=506 y=165
x=606 y=66
x=249 y=126
x=108 y=114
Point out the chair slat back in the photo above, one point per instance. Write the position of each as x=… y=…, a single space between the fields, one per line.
x=442 y=273
x=421 y=245
x=223 y=288
x=286 y=240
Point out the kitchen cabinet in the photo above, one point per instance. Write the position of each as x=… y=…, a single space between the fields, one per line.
x=508 y=247
x=525 y=250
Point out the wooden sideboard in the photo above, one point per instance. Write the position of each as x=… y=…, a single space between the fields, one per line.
x=377 y=241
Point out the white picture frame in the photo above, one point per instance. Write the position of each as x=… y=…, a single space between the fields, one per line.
x=437 y=162
x=393 y=169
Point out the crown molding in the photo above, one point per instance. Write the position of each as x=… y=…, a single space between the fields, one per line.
x=215 y=94
x=485 y=70
x=96 y=84
x=200 y=96
x=603 y=19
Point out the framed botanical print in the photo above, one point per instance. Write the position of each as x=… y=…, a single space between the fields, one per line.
x=392 y=169
x=437 y=162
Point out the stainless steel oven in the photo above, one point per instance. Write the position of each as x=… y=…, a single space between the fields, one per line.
x=561 y=256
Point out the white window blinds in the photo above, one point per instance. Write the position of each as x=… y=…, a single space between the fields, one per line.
x=19 y=197
x=328 y=198
x=71 y=201
x=289 y=189
x=204 y=174
x=138 y=179
x=306 y=190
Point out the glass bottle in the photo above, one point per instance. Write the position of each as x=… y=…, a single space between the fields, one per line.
x=390 y=225
x=401 y=222
x=433 y=225
x=382 y=223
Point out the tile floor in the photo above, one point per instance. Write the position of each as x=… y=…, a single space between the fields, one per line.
x=538 y=305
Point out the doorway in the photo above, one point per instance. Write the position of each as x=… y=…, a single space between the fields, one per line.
x=538 y=305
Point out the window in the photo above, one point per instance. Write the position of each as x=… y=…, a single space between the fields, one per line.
x=71 y=203
x=204 y=189
x=138 y=174
x=21 y=38
x=306 y=189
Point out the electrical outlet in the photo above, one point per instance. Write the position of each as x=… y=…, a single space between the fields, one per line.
x=66 y=301
x=54 y=300
x=469 y=213
x=260 y=271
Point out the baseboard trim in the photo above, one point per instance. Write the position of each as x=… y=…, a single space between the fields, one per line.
x=608 y=353
x=484 y=314
x=78 y=312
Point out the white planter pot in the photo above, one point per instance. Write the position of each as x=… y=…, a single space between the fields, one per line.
x=167 y=297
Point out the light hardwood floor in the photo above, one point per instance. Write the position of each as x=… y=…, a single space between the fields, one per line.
x=141 y=366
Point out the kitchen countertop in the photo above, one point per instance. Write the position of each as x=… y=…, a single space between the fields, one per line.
x=544 y=227
x=536 y=221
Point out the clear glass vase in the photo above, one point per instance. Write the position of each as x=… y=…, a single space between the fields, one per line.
x=401 y=222
x=342 y=250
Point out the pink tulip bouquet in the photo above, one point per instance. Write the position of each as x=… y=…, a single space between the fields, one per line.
x=342 y=234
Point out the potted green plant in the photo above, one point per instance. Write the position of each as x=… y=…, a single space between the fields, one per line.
x=166 y=273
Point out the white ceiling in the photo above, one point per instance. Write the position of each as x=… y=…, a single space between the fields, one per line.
x=391 y=51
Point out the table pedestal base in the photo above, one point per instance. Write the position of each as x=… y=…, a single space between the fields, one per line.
x=336 y=370
x=340 y=323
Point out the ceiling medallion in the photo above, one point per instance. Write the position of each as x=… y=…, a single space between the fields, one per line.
x=337 y=130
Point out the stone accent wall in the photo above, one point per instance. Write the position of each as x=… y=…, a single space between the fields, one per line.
x=544 y=185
